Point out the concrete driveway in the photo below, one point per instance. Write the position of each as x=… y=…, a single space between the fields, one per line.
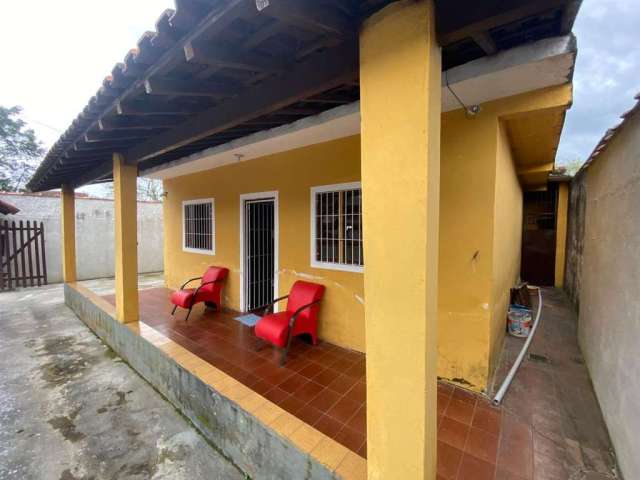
x=70 y=409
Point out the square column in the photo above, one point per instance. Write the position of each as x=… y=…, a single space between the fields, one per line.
x=400 y=91
x=126 y=239
x=68 y=233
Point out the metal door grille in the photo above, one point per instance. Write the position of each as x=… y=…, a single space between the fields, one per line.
x=259 y=252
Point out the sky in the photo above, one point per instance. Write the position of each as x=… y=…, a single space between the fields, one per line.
x=56 y=54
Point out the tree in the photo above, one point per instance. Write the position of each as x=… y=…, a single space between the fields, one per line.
x=572 y=166
x=148 y=189
x=20 y=150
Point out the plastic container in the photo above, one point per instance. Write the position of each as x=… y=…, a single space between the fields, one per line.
x=519 y=321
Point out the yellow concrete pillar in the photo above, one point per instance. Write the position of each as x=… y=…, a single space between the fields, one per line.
x=68 y=233
x=561 y=232
x=400 y=90
x=126 y=247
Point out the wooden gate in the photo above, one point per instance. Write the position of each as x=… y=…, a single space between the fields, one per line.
x=22 y=255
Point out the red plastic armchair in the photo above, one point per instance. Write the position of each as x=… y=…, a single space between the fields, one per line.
x=300 y=317
x=208 y=291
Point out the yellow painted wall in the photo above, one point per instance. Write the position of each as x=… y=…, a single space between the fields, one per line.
x=292 y=174
x=466 y=244
x=479 y=259
x=507 y=241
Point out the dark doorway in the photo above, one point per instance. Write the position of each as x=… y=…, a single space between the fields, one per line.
x=259 y=252
x=539 y=236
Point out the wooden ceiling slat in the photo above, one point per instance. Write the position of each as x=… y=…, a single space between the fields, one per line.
x=317 y=74
x=190 y=88
x=226 y=57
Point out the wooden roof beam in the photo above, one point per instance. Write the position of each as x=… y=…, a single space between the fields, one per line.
x=219 y=57
x=317 y=74
x=98 y=136
x=136 y=123
x=470 y=26
x=189 y=88
x=485 y=42
x=313 y=17
x=150 y=106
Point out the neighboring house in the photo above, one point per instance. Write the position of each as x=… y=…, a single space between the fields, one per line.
x=332 y=144
x=603 y=279
x=94 y=233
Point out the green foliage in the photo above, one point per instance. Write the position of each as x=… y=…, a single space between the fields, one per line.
x=572 y=166
x=20 y=150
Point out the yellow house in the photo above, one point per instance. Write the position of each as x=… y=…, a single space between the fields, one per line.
x=378 y=148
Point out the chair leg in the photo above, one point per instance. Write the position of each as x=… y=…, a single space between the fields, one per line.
x=260 y=344
x=285 y=351
x=174 y=309
x=283 y=356
x=188 y=313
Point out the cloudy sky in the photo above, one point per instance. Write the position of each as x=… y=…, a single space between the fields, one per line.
x=59 y=52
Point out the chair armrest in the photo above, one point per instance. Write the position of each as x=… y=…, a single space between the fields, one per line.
x=269 y=307
x=299 y=311
x=204 y=285
x=189 y=281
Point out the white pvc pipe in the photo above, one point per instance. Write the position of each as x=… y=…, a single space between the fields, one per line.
x=512 y=373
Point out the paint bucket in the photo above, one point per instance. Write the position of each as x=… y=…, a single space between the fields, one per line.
x=519 y=321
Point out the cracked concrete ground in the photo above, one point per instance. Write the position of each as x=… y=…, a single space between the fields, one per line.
x=71 y=409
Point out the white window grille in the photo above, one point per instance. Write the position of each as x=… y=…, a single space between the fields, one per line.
x=198 y=226
x=336 y=227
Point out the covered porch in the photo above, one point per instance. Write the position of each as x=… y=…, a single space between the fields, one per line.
x=302 y=98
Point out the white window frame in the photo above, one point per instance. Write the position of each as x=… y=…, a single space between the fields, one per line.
x=312 y=220
x=202 y=251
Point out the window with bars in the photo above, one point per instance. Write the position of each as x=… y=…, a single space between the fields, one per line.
x=336 y=227
x=198 y=226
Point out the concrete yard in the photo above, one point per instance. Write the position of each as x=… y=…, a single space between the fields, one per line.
x=71 y=409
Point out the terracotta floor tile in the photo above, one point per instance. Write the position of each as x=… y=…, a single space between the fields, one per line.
x=463 y=395
x=326 y=399
x=276 y=395
x=482 y=445
x=502 y=474
x=460 y=411
x=325 y=377
x=344 y=409
x=307 y=391
x=472 y=468
x=350 y=438
x=358 y=393
x=449 y=459
x=342 y=384
x=359 y=420
x=453 y=433
x=311 y=370
x=445 y=388
x=308 y=414
x=487 y=419
x=292 y=383
x=329 y=426
x=443 y=402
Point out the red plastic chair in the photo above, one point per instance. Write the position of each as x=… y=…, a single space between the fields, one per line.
x=209 y=290
x=300 y=317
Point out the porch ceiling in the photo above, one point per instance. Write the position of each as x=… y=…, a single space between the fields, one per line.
x=214 y=71
x=534 y=143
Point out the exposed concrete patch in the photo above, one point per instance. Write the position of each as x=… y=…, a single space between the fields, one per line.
x=58 y=376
